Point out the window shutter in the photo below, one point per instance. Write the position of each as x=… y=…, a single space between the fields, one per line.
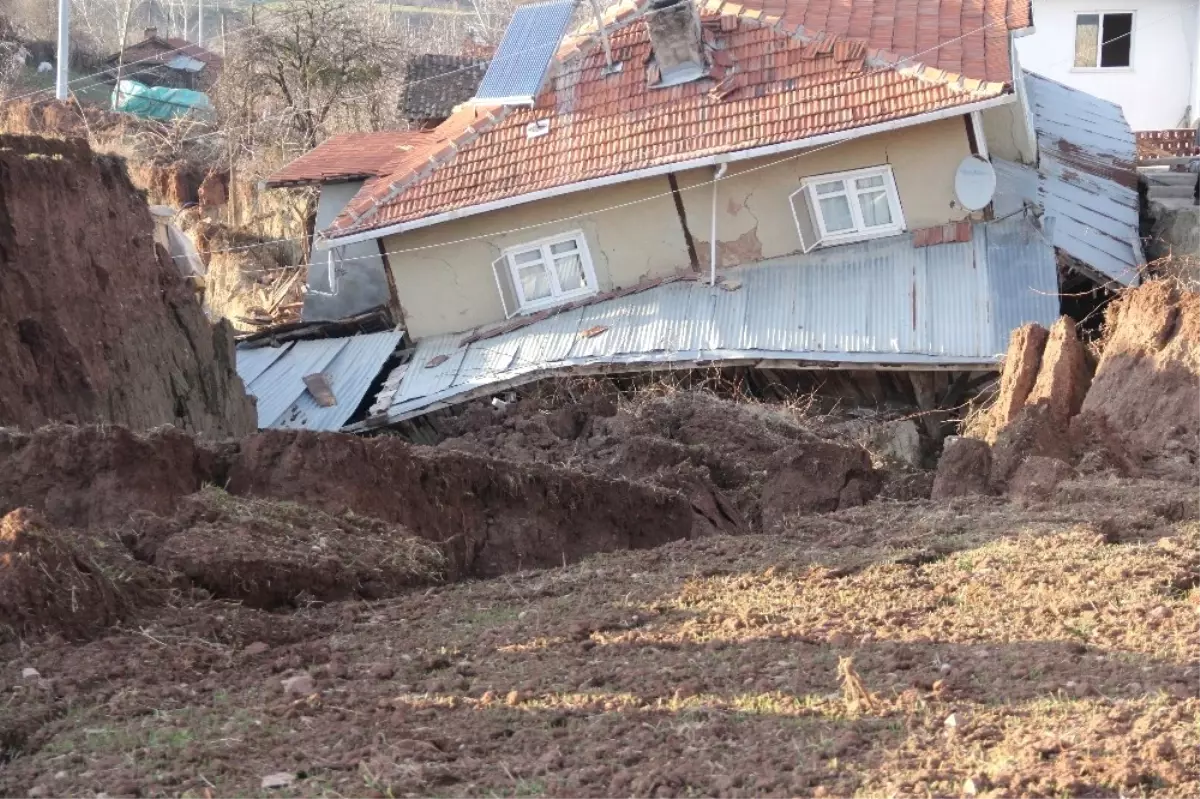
x=806 y=224
x=504 y=284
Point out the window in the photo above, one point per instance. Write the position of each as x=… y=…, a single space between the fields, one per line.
x=847 y=206
x=544 y=273
x=1104 y=41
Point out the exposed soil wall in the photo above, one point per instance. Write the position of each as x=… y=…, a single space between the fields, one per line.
x=94 y=325
x=493 y=516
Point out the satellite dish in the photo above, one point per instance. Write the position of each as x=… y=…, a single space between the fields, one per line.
x=974 y=183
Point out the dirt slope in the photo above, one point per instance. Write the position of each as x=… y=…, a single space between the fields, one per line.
x=94 y=327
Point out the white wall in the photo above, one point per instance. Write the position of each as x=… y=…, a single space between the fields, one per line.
x=1157 y=91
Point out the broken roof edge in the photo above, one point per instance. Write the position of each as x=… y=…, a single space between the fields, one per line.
x=357 y=234
x=625 y=365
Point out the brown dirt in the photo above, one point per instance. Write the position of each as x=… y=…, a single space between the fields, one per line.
x=1029 y=650
x=720 y=453
x=278 y=554
x=1064 y=375
x=93 y=326
x=818 y=476
x=1101 y=449
x=97 y=476
x=1034 y=431
x=965 y=469
x=1021 y=366
x=65 y=582
x=1147 y=382
x=1037 y=478
x=493 y=516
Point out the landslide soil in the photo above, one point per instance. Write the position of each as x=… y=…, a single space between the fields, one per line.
x=1046 y=649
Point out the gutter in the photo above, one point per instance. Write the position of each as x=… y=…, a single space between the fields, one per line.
x=662 y=169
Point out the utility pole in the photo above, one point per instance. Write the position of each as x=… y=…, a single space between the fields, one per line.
x=64 y=48
x=200 y=22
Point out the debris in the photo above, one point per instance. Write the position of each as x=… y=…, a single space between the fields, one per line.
x=280 y=779
x=383 y=671
x=29 y=673
x=436 y=360
x=593 y=331
x=968 y=787
x=300 y=685
x=964 y=469
x=898 y=442
x=951 y=721
x=730 y=285
x=318 y=385
x=855 y=694
x=256 y=648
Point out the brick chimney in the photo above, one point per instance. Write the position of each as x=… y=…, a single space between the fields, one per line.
x=674 y=27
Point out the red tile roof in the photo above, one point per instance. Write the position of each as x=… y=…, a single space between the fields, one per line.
x=782 y=71
x=350 y=156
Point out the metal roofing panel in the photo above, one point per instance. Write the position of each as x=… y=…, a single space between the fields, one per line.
x=282 y=382
x=253 y=362
x=1085 y=179
x=349 y=374
x=882 y=301
x=529 y=42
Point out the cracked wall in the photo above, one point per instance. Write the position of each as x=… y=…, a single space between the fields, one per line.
x=444 y=272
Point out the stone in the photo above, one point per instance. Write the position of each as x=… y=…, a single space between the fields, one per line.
x=280 y=779
x=300 y=685
x=898 y=443
x=963 y=470
x=383 y=671
x=256 y=648
x=513 y=698
x=30 y=673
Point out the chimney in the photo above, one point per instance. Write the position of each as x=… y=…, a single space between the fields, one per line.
x=674 y=28
x=151 y=33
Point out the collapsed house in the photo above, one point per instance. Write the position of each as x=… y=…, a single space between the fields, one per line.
x=770 y=185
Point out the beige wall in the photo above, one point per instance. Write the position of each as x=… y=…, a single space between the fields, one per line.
x=450 y=287
x=1007 y=134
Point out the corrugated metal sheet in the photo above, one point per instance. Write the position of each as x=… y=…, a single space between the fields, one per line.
x=879 y=302
x=275 y=376
x=1085 y=179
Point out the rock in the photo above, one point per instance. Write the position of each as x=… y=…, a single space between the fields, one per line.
x=951 y=721
x=964 y=469
x=383 y=671
x=1037 y=478
x=1065 y=374
x=30 y=673
x=513 y=698
x=813 y=478
x=1174 y=229
x=1033 y=431
x=38 y=791
x=256 y=648
x=280 y=779
x=969 y=789
x=1021 y=365
x=300 y=685
x=898 y=443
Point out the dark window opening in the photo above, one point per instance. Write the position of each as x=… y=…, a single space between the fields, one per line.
x=1118 y=40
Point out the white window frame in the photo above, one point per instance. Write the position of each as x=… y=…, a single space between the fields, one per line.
x=860 y=232
x=1100 y=40
x=557 y=295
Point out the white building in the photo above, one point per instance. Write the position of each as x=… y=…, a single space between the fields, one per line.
x=1141 y=54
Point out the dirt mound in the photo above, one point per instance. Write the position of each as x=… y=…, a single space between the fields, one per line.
x=818 y=476
x=965 y=469
x=93 y=325
x=1034 y=431
x=720 y=453
x=1064 y=374
x=492 y=516
x=1020 y=374
x=55 y=581
x=1037 y=478
x=97 y=476
x=1147 y=382
x=271 y=554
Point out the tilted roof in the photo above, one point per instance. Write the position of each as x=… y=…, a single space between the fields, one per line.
x=349 y=156
x=158 y=49
x=783 y=71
